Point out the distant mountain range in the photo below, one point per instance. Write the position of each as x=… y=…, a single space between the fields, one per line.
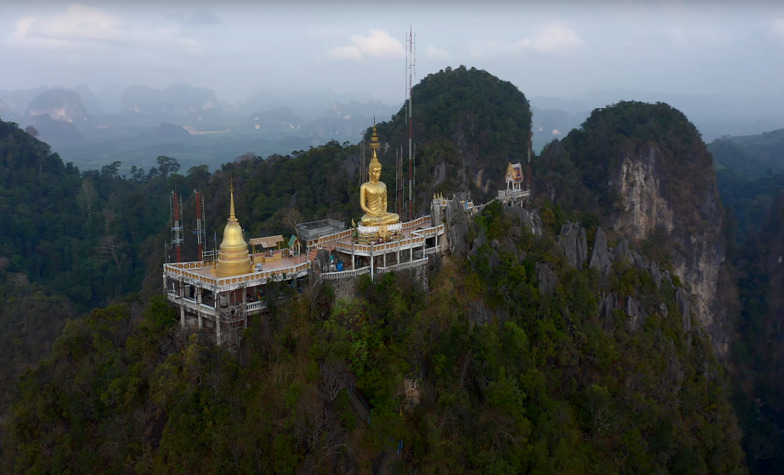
x=123 y=123
x=136 y=124
x=714 y=115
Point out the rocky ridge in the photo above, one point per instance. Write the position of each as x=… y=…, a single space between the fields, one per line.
x=645 y=172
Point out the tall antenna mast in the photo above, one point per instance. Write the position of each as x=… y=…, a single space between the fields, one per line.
x=411 y=68
x=200 y=223
x=397 y=181
x=362 y=178
x=530 y=146
x=399 y=184
x=175 y=206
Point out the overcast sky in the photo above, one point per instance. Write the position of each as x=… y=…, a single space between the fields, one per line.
x=544 y=48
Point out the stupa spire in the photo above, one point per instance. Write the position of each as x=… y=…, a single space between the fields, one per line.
x=232 y=217
x=374 y=143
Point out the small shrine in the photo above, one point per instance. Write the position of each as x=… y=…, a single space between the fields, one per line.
x=515 y=192
x=295 y=247
x=514 y=176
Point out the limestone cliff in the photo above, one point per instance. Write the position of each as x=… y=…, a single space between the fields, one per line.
x=696 y=246
x=645 y=172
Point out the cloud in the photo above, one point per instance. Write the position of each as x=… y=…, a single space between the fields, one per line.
x=202 y=17
x=698 y=36
x=777 y=30
x=346 y=52
x=78 y=24
x=436 y=54
x=553 y=39
x=85 y=28
x=377 y=44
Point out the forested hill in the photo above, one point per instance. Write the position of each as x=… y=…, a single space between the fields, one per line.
x=72 y=241
x=511 y=362
x=524 y=354
x=644 y=173
x=751 y=156
x=750 y=171
x=758 y=352
x=68 y=242
x=467 y=125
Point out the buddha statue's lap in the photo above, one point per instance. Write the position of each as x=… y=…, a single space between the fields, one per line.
x=385 y=219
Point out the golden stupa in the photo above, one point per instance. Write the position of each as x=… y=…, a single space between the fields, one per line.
x=233 y=257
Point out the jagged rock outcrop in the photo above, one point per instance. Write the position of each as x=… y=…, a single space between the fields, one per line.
x=608 y=305
x=456 y=227
x=601 y=257
x=684 y=307
x=655 y=274
x=623 y=253
x=546 y=276
x=636 y=313
x=574 y=244
x=529 y=219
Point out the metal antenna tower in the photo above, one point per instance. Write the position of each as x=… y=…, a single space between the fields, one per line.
x=175 y=208
x=411 y=69
x=530 y=146
x=201 y=219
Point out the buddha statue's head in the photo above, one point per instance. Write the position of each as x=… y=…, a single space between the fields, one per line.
x=374 y=169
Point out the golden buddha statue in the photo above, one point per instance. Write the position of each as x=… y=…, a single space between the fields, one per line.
x=373 y=194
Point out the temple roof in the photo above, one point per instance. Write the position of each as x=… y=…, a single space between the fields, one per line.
x=514 y=172
x=267 y=241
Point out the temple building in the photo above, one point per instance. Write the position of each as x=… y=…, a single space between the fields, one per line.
x=218 y=295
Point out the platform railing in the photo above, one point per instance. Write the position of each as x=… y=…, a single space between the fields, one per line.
x=187 y=269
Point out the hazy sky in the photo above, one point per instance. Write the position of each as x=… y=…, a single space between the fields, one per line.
x=545 y=48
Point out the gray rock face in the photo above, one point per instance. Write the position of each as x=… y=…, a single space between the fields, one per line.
x=622 y=252
x=650 y=203
x=546 y=276
x=479 y=313
x=601 y=257
x=439 y=174
x=530 y=220
x=608 y=305
x=682 y=301
x=636 y=313
x=457 y=227
x=655 y=274
x=574 y=244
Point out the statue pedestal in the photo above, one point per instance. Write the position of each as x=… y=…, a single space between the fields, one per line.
x=384 y=231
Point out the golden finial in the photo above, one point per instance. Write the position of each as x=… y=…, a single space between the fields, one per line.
x=374 y=138
x=231 y=206
x=374 y=143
